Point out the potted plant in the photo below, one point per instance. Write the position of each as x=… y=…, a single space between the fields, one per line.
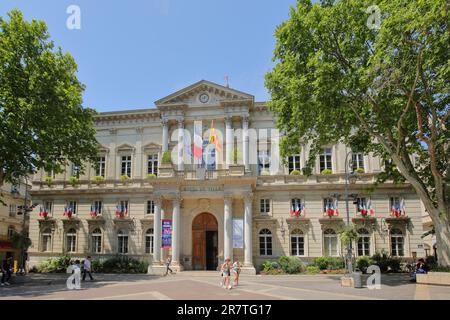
x=99 y=179
x=48 y=180
x=359 y=170
x=295 y=172
x=265 y=173
x=165 y=170
x=326 y=171
x=166 y=157
x=124 y=178
x=73 y=180
x=151 y=176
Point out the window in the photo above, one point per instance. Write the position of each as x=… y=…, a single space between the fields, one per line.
x=11 y=231
x=73 y=205
x=48 y=206
x=152 y=164
x=328 y=203
x=397 y=243
x=75 y=171
x=363 y=242
x=149 y=241
x=122 y=239
x=357 y=161
x=296 y=205
x=12 y=210
x=96 y=241
x=150 y=207
x=330 y=241
x=325 y=160
x=361 y=203
x=71 y=240
x=47 y=240
x=294 y=163
x=264 y=206
x=297 y=243
x=265 y=242
x=97 y=207
x=263 y=162
x=100 y=170
x=126 y=166
x=123 y=207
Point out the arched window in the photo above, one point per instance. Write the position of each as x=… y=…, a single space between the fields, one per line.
x=397 y=243
x=265 y=242
x=330 y=242
x=71 y=240
x=96 y=240
x=46 y=240
x=149 y=241
x=363 y=242
x=122 y=239
x=297 y=243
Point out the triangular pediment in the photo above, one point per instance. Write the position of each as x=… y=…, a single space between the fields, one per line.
x=216 y=93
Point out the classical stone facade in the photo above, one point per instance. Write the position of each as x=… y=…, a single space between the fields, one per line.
x=282 y=212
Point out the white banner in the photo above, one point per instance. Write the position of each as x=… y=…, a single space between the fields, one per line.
x=238 y=233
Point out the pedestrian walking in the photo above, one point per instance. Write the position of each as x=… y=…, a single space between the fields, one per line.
x=236 y=271
x=226 y=274
x=87 y=268
x=223 y=274
x=168 y=262
x=6 y=271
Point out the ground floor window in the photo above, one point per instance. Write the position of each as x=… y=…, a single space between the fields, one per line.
x=330 y=243
x=122 y=239
x=265 y=242
x=149 y=241
x=297 y=243
x=46 y=240
x=71 y=240
x=96 y=239
x=363 y=242
x=397 y=243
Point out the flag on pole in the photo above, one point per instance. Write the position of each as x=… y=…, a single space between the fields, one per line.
x=370 y=207
x=198 y=141
x=213 y=137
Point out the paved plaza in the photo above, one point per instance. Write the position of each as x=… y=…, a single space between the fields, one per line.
x=205 y=286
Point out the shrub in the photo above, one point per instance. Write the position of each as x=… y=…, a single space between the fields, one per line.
x=166 y=157
x=440 y=269
x=124 y=178
x=431 y=262
x=312 y=269
x=265 y=173
x=48 y=180
x=326 y=171
x=394 y=264
x=119 y=264
x=386 y=262
x=99 y=179
x=54 y=265
x=348 y=235
x=330 y=263
x=73 y=179
x=362 y=263
x=359 y=170
x=269 y=265
x=151 y=175
x=291 y=265
x=295 y=172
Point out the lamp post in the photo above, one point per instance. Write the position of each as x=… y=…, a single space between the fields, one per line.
x=348 y=176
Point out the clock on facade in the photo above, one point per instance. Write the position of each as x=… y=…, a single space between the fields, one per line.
x=204 y=98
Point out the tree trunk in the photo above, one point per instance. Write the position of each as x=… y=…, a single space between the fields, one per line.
x=443 y=243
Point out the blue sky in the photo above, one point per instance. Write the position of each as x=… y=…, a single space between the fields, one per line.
x=131 y=53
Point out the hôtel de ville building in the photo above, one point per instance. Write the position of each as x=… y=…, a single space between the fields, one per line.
x=239 y=204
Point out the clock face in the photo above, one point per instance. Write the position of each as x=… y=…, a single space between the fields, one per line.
x=204 y=98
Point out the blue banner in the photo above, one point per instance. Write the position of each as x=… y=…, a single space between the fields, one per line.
x=166 y=233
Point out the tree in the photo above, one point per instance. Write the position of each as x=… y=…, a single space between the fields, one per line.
x=42 y=121
x=384 y=91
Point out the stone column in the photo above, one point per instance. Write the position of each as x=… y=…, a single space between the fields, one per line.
x=245 y=141
x=228 y=228
x=162 y=250
x=165 y=135
x=180 y=145
x=248 y=253
x=229 y=141
x=157 y=232
x=176 y=231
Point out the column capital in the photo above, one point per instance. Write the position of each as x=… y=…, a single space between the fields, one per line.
x=245 y=119
x=164 y=121
x=248 y=197
x=158 y=201
x=228 y=120
x=228 y=199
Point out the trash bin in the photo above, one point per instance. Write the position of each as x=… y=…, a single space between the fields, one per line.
x=357 y=279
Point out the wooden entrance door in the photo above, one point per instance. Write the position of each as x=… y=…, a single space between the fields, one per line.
x=203 y=223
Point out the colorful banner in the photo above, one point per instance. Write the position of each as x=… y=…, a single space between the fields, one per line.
x=166 y=233
x=238 y=233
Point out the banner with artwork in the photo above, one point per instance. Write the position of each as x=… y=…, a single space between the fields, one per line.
x=166 y=241
x=238 y=233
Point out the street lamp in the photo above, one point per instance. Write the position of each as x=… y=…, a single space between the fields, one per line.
x=350 y=177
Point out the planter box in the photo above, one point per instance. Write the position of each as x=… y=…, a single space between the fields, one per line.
x=438 y=278
x=236 y=170
x=166 y=171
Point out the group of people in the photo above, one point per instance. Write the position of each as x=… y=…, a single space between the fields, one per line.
x=420 y=267
x=227 y=269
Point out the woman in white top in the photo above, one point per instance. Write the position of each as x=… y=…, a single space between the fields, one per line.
x=236 y=271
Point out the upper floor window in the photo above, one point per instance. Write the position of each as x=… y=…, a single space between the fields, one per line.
x=97 y=207
x=263 y=162
x=72 y=205
x=152 y=164
x=48 y=207
x=100 y=170
x=126 y=166
x=294 y=163
x=12 y=210
x=11 y=231
x=264 y=206
x=397 y=205
x=325 y=160
x=75 y=171
x=358 y=161
x=150 y=207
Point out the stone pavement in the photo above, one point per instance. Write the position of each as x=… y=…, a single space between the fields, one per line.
x=205 y=286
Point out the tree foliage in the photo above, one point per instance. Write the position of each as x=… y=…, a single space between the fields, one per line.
x=384 y=91
x=42 y=121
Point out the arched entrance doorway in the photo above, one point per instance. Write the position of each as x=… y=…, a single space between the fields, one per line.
x=205 y=246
